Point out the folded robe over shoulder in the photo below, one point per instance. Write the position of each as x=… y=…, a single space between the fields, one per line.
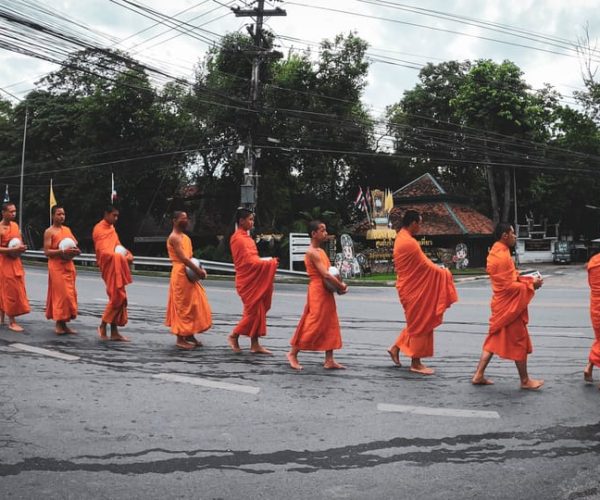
x=319 y=327
x=508 y=336
x=188 y=310
x=13 y=295
x=254 y=284
x=594 y=282
x=425 y=292
x=61 y=301
x=115 y=272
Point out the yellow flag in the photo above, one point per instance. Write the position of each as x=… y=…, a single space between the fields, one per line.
x=52 y=201
x=389 y=201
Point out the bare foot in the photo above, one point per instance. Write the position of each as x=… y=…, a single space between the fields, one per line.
x=233 y=341
x=15 y=328
x=293 y=360
x=117 y=337
x=532 y=385
x=332 y=365
x=422 y=369
x=58 y=331
x=481 y=381
x=260 y=350
x=587 y=373
x=187 y=346
x=102 y=333
x=193 y=340
x=70 y=332
x=2 y=318
x=395 y=355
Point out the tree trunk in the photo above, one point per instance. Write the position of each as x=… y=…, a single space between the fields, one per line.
x=506 y=201
x=492 y=186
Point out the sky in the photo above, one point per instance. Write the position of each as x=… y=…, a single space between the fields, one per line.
x=416 y=38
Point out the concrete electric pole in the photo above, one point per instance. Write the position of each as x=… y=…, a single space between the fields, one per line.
x=249 y=187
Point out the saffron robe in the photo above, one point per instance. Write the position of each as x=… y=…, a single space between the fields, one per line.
x=593 y=268
x=13 y=295
x=115 y=272
x=508 y=336
x=188 y=311
x=319 y=327
x=253 y=283
x=61 y=301
x=425 y=291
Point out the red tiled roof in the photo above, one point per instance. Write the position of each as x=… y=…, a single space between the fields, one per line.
x=447 y=218
x=474 y=222
x=426 y=185
x=437 y=220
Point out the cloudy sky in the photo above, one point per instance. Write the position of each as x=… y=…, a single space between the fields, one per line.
x=404 y=38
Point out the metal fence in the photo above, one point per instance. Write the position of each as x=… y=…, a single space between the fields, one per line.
x=162 y=263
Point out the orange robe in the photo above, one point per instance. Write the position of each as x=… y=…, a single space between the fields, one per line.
x=13 y=296
x=508 y=336
x=425 y=292
x=115 y=272
x=319 y=327
x=254 y=284
x=188 y=311
x=594 y=281
x=61 y=301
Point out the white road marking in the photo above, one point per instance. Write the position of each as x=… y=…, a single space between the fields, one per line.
x=438 y=412
x=44 y=352
x=204 y=382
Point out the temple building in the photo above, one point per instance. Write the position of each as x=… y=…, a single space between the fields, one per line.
x=452 y=232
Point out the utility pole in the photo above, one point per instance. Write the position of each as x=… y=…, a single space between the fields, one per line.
x=250 y=185
x=22 y=170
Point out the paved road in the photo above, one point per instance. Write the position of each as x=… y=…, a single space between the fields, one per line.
x=129 y=421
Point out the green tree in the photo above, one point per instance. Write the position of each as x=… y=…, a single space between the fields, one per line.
x=495 y=99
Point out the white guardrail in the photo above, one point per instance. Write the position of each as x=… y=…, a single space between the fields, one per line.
x=161 y=262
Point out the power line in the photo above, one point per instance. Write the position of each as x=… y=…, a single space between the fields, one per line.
x=433 y=28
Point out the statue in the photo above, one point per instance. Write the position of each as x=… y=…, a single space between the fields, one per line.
x=346 y=262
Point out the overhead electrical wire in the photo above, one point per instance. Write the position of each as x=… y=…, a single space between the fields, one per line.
x=290 y=111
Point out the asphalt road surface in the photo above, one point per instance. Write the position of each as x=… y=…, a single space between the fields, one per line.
x=85 y=419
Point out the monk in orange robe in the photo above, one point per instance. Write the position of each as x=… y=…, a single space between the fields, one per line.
x=116 y=274
x=319 y=327
x=425 y=292
x=254 y=284
x=13 y=296
x=508 y=336
x=188 y=311
x=61 y=301
x=593 y=268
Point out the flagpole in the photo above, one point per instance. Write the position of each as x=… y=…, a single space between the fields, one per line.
x=51 y=196
x=22 y=170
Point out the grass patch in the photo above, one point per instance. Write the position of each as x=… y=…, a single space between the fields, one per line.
x=475 y=271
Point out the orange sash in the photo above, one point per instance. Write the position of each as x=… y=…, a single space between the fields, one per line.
x=254 y=284
x=115 y=272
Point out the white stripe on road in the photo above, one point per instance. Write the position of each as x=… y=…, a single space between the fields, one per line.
x=44 y=352
x=439 y=412
x=204 y=382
